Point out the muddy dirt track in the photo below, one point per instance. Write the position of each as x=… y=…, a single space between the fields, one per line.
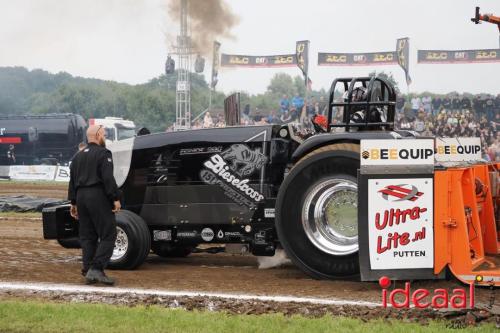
x=39 y=189
x=26 y=256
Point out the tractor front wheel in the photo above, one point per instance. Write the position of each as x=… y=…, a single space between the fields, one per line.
x=133 y=241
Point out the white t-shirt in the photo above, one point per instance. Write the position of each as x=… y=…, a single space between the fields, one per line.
x=419 y=126
x=427 y=101
x=415 y=103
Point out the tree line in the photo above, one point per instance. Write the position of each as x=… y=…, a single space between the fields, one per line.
x=151 y=104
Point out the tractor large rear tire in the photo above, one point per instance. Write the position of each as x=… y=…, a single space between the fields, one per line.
x=316 y=212
x=133 y=242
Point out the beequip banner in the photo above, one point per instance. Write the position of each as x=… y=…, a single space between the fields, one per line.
x=458 y=150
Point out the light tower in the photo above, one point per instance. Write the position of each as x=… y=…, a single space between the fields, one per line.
x=183 y=87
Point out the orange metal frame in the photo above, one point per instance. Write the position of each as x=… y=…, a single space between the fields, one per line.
x=486 y=18
x=491 y=19
x=466 y=238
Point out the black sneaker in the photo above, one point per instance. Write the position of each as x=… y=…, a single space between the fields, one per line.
x=95 y=275
x=90 y=277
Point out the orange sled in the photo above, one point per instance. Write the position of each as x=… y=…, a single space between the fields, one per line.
x=465 y=225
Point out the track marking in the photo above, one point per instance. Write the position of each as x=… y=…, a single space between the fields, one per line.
x=69 y=288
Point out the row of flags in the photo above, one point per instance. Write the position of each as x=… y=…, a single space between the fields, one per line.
x=401 y=57
x=301 y=59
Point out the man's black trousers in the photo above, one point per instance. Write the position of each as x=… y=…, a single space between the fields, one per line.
x=97 y=227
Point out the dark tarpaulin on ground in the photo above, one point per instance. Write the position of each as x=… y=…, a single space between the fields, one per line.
x=24 y=203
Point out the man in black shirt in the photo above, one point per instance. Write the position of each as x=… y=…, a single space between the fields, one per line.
x=94 y=199
x=466 y=104
x=436 y=104
x=477 y=104
x=446 y=103
x=400 y=104
x=456 y=103
x=11 y=155
x=490 y=108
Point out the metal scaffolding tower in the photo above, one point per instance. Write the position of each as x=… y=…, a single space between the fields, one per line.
x=183 y=89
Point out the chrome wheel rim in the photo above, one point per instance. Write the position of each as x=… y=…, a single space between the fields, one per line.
x=121 y=244
x=329 y=216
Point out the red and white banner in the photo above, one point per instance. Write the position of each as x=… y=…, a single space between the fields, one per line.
x=400 y=223
x=10 y=140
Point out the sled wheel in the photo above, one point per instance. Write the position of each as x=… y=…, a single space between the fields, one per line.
x=316 y=212
x=133 y=242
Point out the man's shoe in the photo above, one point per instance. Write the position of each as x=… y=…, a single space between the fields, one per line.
x=95 y=275
x=91 y=276
x=104 y=279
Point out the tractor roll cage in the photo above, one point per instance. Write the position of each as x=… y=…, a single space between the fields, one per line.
x=379 y=93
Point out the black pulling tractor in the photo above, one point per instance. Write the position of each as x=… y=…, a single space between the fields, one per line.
x=253 y=188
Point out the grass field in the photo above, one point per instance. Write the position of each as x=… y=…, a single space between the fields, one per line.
x=16 y=316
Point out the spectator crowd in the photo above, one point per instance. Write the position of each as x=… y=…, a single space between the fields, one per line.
x=289 y=110
x=453 y=116
x=449 y=115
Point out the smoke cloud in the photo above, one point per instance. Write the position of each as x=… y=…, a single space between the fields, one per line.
x=208 y=20
x=279 y=259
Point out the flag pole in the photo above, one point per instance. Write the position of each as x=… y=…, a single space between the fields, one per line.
x=210 y=99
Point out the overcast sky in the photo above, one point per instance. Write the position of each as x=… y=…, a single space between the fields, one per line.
x=125 y=40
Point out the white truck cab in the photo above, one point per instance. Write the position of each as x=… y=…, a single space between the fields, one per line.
x=116 y=128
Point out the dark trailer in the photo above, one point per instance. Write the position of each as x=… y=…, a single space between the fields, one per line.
x=41 y=139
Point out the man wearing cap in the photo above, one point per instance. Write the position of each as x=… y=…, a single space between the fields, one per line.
x=94 y=200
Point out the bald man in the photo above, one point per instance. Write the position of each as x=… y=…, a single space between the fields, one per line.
x=94 y=200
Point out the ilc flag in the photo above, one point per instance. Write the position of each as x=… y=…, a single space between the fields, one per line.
x=309 y=84
x=403 y=53
x=215 y=64
x=302 y=55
